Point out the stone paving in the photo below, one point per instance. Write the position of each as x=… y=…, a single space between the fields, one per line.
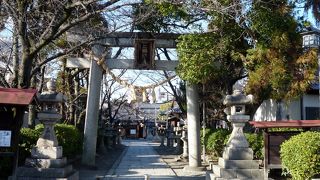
x=141 y=162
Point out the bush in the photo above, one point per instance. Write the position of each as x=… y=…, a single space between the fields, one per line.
x=216 y=141
x=300 y=155
x=284 y=129
x=255 y=141
x=208 y=131
x=68 y=137
x=27 y=140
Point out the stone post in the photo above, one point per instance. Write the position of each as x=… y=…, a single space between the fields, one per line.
x=91 y=119
x=184 y=138
x=184 y=156
x=179 y=148
x=156 y=137
x=170 y=137
x=193 y=116
x=161 y=133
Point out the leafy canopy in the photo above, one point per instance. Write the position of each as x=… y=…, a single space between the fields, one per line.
x=262 y=37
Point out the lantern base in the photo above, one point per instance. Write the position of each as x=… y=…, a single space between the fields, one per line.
x=46 y=163
x=47 y=152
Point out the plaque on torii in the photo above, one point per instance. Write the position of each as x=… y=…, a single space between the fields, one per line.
x=144 y=53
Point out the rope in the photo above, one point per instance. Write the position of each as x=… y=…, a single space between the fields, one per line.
x=133 y=88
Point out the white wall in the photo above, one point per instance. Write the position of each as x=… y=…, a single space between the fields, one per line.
x=292 y=109
x=267 y=110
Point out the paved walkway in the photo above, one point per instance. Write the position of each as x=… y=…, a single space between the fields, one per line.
x=141 y=161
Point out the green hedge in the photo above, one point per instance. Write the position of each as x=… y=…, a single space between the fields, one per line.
x=27 y=140
x=215 y=141
x=300 y=155
x=255 y=141
x=69 y=137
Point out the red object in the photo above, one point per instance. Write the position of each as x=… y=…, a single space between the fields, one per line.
x=286 y=124
x=16 y=96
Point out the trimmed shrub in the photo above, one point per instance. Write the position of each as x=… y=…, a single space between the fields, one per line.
x=300 y=155
x=27 y=140
x=208 y=131
x=285 y=129
x=68 y=137
x=216 y=141
x=255 y=141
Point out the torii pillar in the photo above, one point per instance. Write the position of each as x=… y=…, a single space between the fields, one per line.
x=193 y=117
x=92 y=117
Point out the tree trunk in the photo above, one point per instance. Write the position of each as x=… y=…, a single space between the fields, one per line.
x=15 y=64
x=63 y=86
x=32 y=108
x=76 y=95
x=27 y=58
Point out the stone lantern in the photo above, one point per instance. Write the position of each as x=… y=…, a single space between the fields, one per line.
x=237 y=160
x=46 y=160
x=236 y=115
x=311 y=38
x=47 y=145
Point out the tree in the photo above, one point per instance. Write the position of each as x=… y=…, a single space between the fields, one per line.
x=258 y=39
x=41 y=24
x=277 y=65
x=314 y=6
x=40 y=35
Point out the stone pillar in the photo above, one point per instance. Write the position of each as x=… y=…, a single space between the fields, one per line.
x=184 y=138
x=161 y=133
x=91 y=120
x=178 y=136
x=193 y=116
x=156 y=137
x=184 y=156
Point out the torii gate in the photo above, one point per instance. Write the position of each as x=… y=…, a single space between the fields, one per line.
x=143 y=43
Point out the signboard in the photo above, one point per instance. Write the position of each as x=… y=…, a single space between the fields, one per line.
x=133 y=131
x=5 y=138
x=144 y=53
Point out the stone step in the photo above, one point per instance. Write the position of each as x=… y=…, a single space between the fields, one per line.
x=211 y=176
x=44 y=172
x=238 y=173
x=239 y=164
